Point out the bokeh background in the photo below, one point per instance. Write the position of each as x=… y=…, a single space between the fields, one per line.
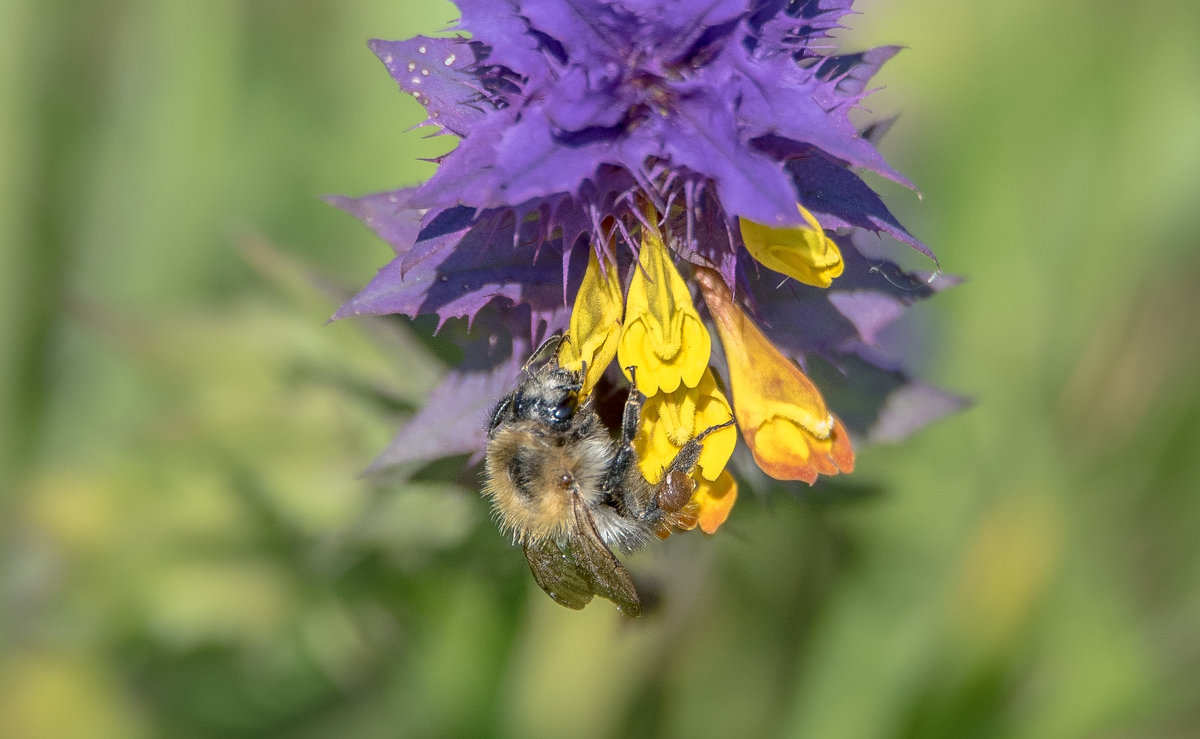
x=187 y=548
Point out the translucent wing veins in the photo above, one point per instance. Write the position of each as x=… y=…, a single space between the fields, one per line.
x=584 y=567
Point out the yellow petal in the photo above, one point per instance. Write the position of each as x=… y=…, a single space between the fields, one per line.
x=806 y=254
x=712 y=409
x=671 y=420
x=654 y=448
x=595 y=323
x=715 y=499
x=782 y=415
x=663 y=336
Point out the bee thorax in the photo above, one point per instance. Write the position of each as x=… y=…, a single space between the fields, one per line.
x=530 y=478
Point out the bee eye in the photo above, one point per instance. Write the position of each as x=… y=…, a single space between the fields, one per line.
x=566 y=408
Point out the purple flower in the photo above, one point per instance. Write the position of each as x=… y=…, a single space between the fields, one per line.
x=618 y=160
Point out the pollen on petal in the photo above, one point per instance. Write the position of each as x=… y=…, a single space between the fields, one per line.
x=654 y=448
x=677 y=414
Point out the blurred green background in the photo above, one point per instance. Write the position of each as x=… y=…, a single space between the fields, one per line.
x=188 y=551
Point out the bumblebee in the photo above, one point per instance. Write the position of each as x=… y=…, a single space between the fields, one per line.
x=569 y=493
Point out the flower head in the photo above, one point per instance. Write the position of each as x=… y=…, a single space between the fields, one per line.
x=616 y=159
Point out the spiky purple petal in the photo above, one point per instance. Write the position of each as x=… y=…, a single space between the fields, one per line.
x=626 y=83
x=439 y=73
x=487 y=264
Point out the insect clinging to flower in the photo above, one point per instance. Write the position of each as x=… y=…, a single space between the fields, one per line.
x=569 y=493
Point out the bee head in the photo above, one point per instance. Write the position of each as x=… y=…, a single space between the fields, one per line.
x=549 y=396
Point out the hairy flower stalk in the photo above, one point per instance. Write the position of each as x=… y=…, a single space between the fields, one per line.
x=618 y=161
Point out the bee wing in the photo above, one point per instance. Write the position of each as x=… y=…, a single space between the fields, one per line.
x=605 y=574
x=585 y=567
x=557 y=573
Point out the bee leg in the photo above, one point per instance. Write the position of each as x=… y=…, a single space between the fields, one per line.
x=624 y=462
x=700 y=437
x=632 y=418
x=676 y=487
x=626 y=458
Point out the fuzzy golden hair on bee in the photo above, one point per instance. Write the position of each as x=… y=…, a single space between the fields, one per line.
x=531 y=476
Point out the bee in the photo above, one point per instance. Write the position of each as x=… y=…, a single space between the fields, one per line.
x=569 y=493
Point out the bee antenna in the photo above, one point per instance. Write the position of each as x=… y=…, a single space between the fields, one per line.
x=554 y=340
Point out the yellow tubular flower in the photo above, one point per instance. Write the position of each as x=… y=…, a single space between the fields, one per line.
x=595 y=323
x=806 y=254
x=670 y=420
x=663 y=335
x=783 y=418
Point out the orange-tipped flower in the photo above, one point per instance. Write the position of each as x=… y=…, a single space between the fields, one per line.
x=782 y=415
